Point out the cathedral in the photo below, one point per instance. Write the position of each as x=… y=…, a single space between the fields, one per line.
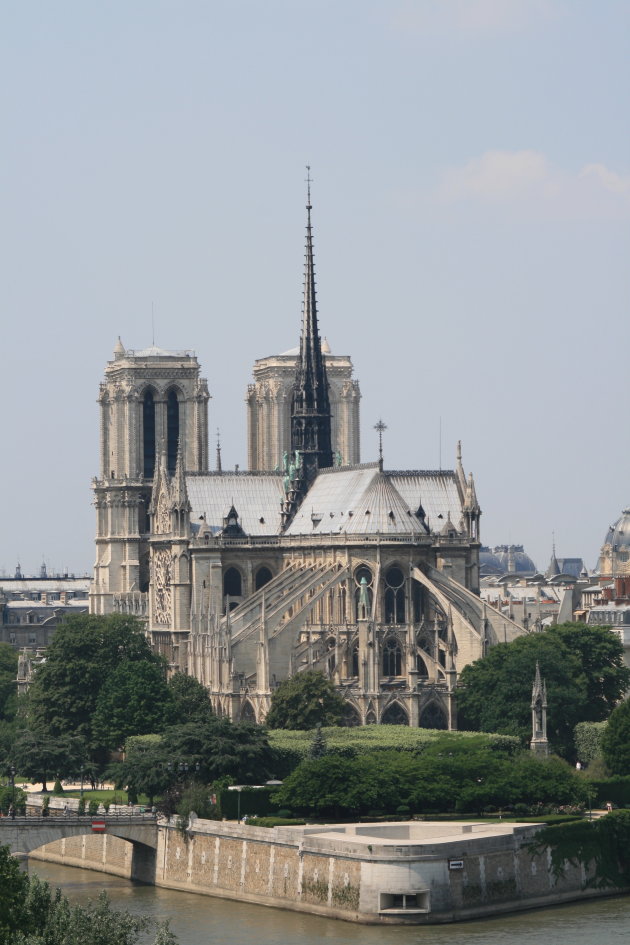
x=308 y=560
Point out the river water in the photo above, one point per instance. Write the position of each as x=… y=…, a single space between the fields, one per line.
x=203 y=920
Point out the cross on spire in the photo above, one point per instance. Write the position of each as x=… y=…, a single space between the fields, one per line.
x=380 y=427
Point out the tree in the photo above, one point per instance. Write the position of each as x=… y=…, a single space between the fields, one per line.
x=305 y=701
x=8 y=687
x=134 y=700
x=32 y=914
x=13 y=888
x=317 y=747
x=86 y=650
x=616 y=740
x=584 y=672
x=601 y=656
x=189 y=699
x=41 y=757
x=201 y=751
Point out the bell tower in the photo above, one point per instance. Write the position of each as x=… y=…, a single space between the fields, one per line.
x=152 y=403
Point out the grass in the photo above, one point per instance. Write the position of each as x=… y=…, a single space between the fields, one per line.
x=114 y=797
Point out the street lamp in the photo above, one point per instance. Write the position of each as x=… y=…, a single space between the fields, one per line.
x=81 y=792
x=12 y=773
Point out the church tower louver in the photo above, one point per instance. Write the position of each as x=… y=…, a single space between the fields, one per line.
x=310 y=406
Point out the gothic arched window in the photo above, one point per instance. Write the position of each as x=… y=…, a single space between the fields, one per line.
x=247 y=712
x=395 y=715
x=172 y=430
x=263 y=576
x=148 y=434
x=232 y=583
x=433 y=716
x=394 y=596
x=392 y=657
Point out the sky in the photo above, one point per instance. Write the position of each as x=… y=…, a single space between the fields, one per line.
x=471 y=207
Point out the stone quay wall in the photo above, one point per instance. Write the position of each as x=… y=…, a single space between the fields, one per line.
x=402 y=873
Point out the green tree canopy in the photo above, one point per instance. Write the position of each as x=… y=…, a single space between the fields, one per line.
x=40 y=756
x=134 y=700
x=305 y=701
x=600 y=652
x=189 y=699
x=8 y=686
x=32 y=914
x=583 y=669
x=616 y=740
x=201 y=751
x=445 y=776
x=84 y=654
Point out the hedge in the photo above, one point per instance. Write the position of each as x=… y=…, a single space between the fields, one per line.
x=254 y=801
x=615 y=790
x=292 y=747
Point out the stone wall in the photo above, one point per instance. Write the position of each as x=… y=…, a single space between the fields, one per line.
x=382 y=873
x=92 y=851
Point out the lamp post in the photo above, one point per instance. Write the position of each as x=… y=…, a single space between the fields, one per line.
x=12 y=773
x=81 y=791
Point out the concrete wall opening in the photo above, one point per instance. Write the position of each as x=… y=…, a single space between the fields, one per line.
x=404 y=902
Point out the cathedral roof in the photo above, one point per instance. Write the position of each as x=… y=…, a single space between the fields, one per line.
x=362 y=500
x=257 y=496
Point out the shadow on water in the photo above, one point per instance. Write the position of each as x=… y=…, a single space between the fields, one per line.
x=203 y=920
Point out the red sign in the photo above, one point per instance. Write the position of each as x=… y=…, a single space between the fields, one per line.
x=98 y=826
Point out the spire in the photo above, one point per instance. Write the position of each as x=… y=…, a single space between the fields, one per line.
x=179 y=493
x=218 y=465
x=554 y=567
x=539 y=743
x=310 y=406
x=459 y=469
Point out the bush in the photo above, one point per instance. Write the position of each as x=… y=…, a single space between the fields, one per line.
x=588 y=740
x=276 y=822
x=9 y=795
x=615 y=790
x=465 y=776
x=58 y=789
x=93 y=807
x=81 y=808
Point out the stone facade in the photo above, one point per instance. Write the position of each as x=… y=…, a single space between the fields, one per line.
x=151 y=401
x=269 y=409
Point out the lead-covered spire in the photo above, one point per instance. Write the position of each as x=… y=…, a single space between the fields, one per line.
x=310 y=406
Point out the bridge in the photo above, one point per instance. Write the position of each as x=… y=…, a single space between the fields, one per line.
x=25 y=834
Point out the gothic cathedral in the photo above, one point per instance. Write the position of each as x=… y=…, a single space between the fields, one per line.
x=310 y=560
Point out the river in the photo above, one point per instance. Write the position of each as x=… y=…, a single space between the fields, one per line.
x=204 y=920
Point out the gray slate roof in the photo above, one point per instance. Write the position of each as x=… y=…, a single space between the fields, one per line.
x=254 y=496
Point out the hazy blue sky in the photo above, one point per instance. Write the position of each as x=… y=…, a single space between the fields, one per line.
x=471 y=195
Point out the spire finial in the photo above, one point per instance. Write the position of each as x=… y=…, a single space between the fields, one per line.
x=309 y=180
x=380 y=427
